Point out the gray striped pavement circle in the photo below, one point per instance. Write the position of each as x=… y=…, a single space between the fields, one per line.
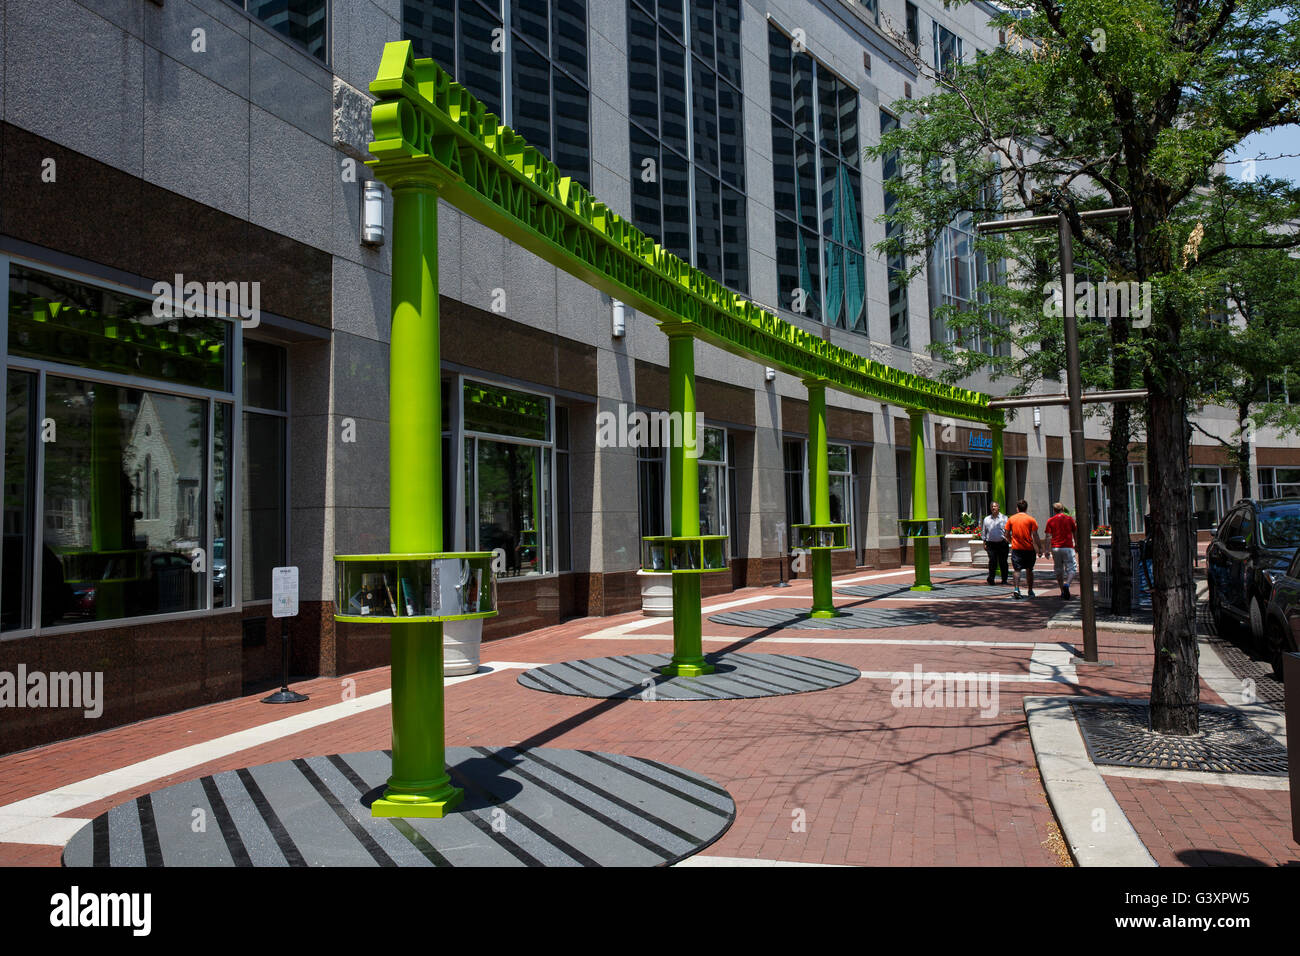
x=848 y=620
x=537 y=807
x=940 y=592
x=738 y=676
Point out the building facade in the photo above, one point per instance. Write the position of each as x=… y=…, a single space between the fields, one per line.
x=196 y=338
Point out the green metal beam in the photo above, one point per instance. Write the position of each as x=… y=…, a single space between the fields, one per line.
x=427 y=126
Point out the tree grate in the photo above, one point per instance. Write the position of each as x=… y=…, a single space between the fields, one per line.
x=1119 y=735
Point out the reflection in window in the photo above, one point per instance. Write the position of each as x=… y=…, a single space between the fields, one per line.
x=302 y=21
x=713 y=482
x=895 y=262
x=263 y=471
x=548 y=102
x=509 y=455
x=684 y=63
x=20 y=409
x=817 y=179
x=113 y=561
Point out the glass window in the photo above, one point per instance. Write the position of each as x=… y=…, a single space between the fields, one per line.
x=895 y=263
x=684 y=63
x=104 y=559
x=913 y=25
x=61 y=320
x=1209 y=497
x=794 y=497
x=302 y=21
x=651 y=490
x=262 y=494
x=563 y=536
x=549 y=100
x=1279 y=526
x=947 y=49
x=20 y=465
x=713 y=482
x=957 y=272
x=132 y=498
x=509 y=461
x=821 y=272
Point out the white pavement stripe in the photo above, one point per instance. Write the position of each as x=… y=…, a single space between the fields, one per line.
x=36 y=819
x=1002 y=678
x=1078 y=794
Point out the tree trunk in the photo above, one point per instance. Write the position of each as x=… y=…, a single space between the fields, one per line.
x=1121 y=556
x=1175 y=690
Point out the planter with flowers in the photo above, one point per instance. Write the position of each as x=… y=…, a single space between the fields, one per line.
x=957 y=542
x=1100 y=546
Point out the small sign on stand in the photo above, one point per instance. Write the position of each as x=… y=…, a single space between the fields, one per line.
x=284 y=605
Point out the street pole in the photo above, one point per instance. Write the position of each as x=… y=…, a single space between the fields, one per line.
x=1074 y=386
x=1075 y=394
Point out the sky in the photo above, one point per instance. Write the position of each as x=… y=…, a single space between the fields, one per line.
x=1283 y=141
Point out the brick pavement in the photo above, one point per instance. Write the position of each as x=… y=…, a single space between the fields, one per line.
x=839 y=776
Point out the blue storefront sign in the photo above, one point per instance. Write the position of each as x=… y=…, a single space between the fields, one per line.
x=981 y=441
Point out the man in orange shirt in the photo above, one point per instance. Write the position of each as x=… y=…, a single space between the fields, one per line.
x=1026 y=544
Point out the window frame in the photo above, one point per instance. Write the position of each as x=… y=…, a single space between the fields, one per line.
x=43 y=369
x=460 y=445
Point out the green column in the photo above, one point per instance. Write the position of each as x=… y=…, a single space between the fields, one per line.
x=999 y=473
x=684 y=493
x=819 y=496
x=420 y=785
x=920 y=501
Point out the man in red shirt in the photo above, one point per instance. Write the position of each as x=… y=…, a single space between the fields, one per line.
x=1026 y=543
x=1061 y=528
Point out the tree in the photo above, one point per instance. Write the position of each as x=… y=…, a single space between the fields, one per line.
x=1107 y=103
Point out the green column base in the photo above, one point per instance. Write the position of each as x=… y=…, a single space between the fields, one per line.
x=823 y=602
x=921 y=561
x=697 y=667
x=435 y=802
x=688 y=645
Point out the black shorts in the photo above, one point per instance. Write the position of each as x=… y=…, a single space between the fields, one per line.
x=1023 y=560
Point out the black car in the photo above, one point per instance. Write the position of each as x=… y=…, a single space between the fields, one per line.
x=1282 y=617
x=1250 y=553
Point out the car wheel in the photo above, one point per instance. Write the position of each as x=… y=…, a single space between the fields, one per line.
x=1257 y=622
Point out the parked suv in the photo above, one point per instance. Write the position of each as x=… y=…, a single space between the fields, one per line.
x=1250 y=553
x=1282 y=617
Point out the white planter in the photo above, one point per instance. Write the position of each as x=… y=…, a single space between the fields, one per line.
x=656 y=593
x=1097 y=555
x=979 y=553
x=461 y=641
x=959 y=548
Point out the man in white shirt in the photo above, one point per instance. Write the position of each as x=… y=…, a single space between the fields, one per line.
x=994 y=535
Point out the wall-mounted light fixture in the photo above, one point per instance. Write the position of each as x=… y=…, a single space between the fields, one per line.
x=769 y=373
x=1038 y=417
x=372 y=213
x=618 y=321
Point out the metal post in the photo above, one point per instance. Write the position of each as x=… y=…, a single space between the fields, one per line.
x=420 y=785
x=1075 y=387
x=920 y=502
x=999 y=472
x=684 y=493
x=819 y=496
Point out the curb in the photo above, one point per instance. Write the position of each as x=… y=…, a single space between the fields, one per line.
x=1076 y=791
